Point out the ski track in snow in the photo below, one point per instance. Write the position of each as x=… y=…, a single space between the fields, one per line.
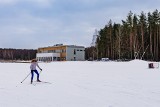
x=81 y=84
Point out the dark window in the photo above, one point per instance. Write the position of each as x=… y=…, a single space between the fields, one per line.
x=74 y=51
x=63 y=50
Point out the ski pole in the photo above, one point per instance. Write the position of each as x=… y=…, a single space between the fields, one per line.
x=26 y=77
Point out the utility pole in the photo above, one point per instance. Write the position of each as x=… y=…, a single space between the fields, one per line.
x=94 y=44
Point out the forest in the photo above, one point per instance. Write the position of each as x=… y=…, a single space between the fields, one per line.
x=136 y=37
x=17 y=54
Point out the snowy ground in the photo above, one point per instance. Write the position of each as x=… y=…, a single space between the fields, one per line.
x=81 y=84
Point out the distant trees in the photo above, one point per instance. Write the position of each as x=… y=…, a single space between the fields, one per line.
x=17 y=54
x=90 y=53
x=138 y=36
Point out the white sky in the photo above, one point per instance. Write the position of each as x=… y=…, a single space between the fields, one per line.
x=36 y=23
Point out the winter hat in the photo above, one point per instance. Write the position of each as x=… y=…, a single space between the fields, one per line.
x=34 y=60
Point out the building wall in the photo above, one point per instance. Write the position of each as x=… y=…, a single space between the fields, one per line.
x=80 y=54
x=56 y=49
x=75 y=54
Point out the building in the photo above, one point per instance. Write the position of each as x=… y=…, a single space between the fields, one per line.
x=61 y=52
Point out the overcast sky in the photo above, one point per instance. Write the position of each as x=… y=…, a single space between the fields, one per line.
x=31 y=24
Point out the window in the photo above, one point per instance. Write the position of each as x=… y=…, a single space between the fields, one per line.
x=58 y=51
x=63 y=50
x=74 y=51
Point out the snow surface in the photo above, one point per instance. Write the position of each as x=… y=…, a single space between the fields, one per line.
x=81 y=84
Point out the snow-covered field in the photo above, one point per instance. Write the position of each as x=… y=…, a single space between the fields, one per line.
x=81 y=84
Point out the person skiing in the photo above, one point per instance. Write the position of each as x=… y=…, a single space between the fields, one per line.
x=33 y=69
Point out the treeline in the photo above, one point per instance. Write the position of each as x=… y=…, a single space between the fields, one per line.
x=17 y=54
x=137 y=37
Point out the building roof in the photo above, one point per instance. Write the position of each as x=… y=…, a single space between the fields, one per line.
x=61 y=45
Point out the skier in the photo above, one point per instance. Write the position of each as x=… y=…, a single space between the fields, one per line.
x=33 y=69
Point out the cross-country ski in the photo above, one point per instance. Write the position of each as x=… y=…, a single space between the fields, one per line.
x=39 y=83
